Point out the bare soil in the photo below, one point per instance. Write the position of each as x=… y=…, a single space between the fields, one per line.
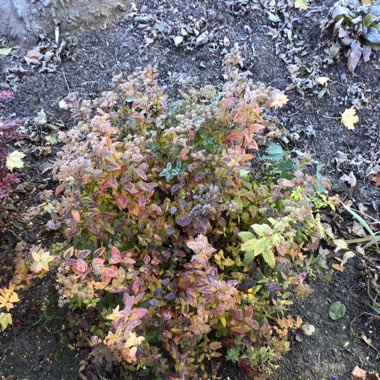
x=38 y=345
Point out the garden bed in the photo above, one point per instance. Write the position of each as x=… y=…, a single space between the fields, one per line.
x=38 y=345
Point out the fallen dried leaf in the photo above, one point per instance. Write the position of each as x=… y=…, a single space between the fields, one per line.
x=34 y=57
x=355 y=54
x=358 y=229
x=376 y=179
x=349 y=118
x=373 y=376
x=14 y=160
x=338 y=267
x=358 y=374
x=350 y=179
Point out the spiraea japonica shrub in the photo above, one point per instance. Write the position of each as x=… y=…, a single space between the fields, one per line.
x=179 y=250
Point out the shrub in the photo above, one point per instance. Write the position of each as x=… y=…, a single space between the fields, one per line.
x=358 y=28
x=179 y=250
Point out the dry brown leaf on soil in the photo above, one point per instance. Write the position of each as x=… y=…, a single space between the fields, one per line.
x=350 y=179
x=358 y=229
x=376 y=179
x=358 y=374
x=349 y=118
x=33 y=57
x=338 y=267
x=355 y=54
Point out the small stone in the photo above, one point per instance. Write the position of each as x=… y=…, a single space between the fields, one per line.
x=178 y=40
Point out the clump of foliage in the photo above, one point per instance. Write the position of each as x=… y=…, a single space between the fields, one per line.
x=8 y=297
x=8 y=133
x=179 y=251
x=358 y=28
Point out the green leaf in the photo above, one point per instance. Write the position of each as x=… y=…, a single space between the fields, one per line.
x=274 y=153
x=255 y=247
x=245 y=236
x=52 y=139
x=368 y=20
x=377 y=27
x=14 y=160
x=215 y=345
x=269 y=258
x=5 y=51
x=244 y=174
x=5 y=320
x=262 y=229
x=249 y=245
x=286 y=166
x=233 y=355
x=337 y=310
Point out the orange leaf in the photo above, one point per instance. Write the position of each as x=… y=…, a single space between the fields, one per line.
x=338 y=267
x=298 y=322
x=76 y=215
x=59 y=189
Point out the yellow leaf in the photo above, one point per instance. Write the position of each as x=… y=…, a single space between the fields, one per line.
x=14 y=160
x=224 y=322
x=132 y=351
x=14 y=298
x=215 y=345
x=111 y=338
x=298 y=322
x=41 y=259
x=366 y=2
x=115 y=315
x=228 y=262
x=349 y=118
x=5 y=320
x=301 y=4
x=8 y=297
x=338 y=267
x=133 y=340
x=278 y=100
